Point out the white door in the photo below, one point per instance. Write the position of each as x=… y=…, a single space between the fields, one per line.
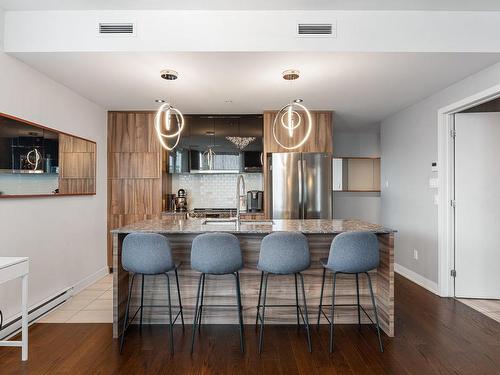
x=477 y=213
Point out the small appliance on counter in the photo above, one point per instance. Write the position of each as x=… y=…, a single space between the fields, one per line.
x=170 y=202
x=255 y=201
x=181 y=201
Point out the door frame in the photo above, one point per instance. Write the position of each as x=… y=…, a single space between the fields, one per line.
x=446 y=214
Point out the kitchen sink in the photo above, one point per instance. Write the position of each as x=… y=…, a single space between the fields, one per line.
x=219 y=221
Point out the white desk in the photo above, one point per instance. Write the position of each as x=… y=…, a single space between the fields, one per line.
x=12 y=268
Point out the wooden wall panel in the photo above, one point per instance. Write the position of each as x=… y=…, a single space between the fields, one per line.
x=77 y=165
x=134 y=170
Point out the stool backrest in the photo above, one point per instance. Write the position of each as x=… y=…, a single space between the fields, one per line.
x=147 y=253
x=216 y=253
x=354 y=252
x=284 y=252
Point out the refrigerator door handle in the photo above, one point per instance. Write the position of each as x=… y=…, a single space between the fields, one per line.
x=304 y=188
x=301 y=201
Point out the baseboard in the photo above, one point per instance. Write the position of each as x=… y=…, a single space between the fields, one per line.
x=431 y=286
x=13 y=325
x=89 y=280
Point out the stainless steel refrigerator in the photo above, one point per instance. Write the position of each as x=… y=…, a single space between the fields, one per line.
x=301 y=185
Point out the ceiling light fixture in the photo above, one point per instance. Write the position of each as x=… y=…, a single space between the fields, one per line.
x=290 y=118
x=169 y=75
x=241 y=142
x=163 y=125
x=165 y=116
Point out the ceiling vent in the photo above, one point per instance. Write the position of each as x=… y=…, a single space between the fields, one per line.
x=116 y=28
x=316 y=29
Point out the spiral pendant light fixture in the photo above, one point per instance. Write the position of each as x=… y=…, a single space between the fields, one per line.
x=290 y=119
x=165 y=115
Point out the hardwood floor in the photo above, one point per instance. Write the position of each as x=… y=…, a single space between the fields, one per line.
x=433 y=336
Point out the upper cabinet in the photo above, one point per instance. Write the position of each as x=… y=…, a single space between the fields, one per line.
x=219 y=136
x=320 y=138
x=38 y=161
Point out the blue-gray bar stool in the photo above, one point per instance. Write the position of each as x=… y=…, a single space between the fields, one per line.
x=149 y=254
x=351 y=253
x=216 y=254
x=283 y=253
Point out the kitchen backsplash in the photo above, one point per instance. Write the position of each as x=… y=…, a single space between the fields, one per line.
x=213 y=190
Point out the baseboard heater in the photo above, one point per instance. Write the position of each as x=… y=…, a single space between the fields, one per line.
x=13 y=326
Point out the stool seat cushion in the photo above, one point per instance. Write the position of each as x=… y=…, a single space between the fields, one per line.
x=216 y=253
x=147 y=253
x=284 y=253
x=354 y=252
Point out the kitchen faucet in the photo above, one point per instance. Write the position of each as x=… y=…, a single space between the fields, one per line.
x=240 y=185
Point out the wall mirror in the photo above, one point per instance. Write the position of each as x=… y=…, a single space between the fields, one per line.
x=39 y=161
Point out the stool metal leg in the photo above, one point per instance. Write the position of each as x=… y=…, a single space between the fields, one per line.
x=142 y=298
x=332 y=317
x=179 y=296
x=240 y=311
x=171 y=326
x=125 y=321
x=359 y=306
x=195 y=320
x=201 y=301
x=306 y=314
x=320 y=308
x=375 y=310
x=297 y=300
x=261 y=333
x=258 y=301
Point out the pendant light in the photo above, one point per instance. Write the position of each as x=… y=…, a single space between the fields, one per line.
x=289 y=118
x=165 y=115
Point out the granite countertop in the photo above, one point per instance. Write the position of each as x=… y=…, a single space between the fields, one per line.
x=312 y=226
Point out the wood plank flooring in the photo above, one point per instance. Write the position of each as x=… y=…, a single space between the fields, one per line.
x=433 y=336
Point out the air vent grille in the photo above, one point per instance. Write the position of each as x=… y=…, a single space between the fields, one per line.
x=116 y=28
x=315 y=29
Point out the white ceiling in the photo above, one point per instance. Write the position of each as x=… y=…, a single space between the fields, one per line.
x=363 y=88
x=252 y=4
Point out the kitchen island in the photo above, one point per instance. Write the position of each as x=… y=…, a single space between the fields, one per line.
x=220 y=290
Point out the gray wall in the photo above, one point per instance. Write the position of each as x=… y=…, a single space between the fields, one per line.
x=363 y=206
x=408 y=146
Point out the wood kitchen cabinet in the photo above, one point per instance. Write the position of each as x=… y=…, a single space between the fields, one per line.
x=135 y=170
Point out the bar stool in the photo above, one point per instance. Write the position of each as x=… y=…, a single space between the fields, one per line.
x=283 y=253
x=149 y=254
x=351 y=253
x=216 y=254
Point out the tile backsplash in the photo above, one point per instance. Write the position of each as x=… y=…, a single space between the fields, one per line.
x=213 y=190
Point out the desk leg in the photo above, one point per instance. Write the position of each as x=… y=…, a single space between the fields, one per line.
x=24 y=329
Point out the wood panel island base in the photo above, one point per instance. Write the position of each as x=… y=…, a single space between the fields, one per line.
x=220 y=289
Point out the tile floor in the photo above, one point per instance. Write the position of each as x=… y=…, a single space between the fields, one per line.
x=92 y=305
x=489 y=307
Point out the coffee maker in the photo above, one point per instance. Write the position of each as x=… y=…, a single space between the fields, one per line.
x=255 y=200
x=181 y=201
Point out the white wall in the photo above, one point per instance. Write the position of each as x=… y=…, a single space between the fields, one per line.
x=64 y=237
x=364 y=31
x=409 y=146
x=362 y=206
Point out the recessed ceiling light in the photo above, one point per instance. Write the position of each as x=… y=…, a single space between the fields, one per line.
x=291 y=74
x=160 y=101
x=298 y=100
x=169 y=75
